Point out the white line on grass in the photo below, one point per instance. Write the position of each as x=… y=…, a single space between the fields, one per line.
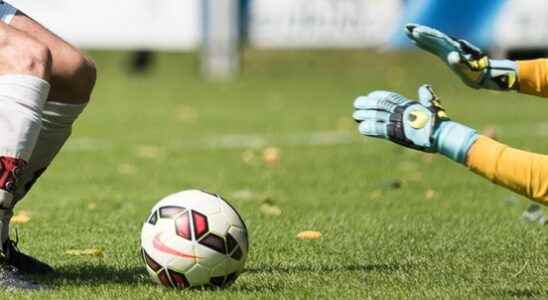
x=231 y=141
x=255 y=141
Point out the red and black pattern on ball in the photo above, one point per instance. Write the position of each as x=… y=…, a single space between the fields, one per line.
x=151 y=263
x=164 y=279
x=200 y=224
x=182 y=226
x=170 y=212
x=178 y=279
x=214 y=242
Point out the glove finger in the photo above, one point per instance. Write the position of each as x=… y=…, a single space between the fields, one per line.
x=469 y=48
x=373 y=129
x=427 y=95
x=371 y=115
x=432 y=40
x=380 y=100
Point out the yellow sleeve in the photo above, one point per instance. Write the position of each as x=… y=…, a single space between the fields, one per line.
x=523 y=172
x=533 y=77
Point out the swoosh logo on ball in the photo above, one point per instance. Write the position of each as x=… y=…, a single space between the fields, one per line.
x=159 y=245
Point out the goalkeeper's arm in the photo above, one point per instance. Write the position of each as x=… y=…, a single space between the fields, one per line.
x=424 y=125
x=476 y=69
x=533 y=77
x=523 y=172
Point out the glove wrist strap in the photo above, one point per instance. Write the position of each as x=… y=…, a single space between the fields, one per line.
x=454 y=140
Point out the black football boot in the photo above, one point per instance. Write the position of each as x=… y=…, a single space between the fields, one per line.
x=22 y=262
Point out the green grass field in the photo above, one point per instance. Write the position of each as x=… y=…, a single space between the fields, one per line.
x=394 y=223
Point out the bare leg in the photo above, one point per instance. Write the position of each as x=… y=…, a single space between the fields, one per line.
x=72 y=78
x=73 y=74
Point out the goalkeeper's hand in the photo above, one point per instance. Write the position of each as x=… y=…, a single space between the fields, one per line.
x=470 y=63
x=422 y=125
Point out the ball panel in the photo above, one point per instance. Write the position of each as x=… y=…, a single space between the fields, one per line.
x=238 y=254
x=231 y=243
x=223 y=275
x=159 y=257
x=198 y=275
x=214 y=242
x=220 y=270
x=218 y=224
x=209 y=257
x=151 y=263
x=198 y=200
x=182 y=226
x=153 y=218
x=170 y=212
x=178 y=279
x=231 y=214
x=240 y=236
x=182 y=263
x=164 y=279
x=201 y=226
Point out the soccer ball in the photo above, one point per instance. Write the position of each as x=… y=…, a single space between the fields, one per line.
x=193 y=238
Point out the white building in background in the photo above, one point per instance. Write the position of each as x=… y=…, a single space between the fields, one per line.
x=121 y=24
x=178 y=24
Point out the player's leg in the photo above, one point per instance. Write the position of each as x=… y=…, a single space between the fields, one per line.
x=25 y=68
x=73 y=73
x=73 y=77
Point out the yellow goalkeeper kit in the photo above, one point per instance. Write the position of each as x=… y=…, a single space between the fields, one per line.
x=524 y=172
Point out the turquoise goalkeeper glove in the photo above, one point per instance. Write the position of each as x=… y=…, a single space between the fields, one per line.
x=470 y=63
x=422 y=125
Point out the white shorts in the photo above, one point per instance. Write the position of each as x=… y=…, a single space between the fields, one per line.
x=7 y=12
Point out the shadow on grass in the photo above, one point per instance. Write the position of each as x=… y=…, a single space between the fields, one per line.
x=521 y=293
x=366 y=268
x=95 y=275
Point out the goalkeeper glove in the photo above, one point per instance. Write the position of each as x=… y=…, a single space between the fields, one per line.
x=422 y=125
x=470 y=63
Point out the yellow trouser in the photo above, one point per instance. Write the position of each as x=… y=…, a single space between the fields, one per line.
x=520 y=171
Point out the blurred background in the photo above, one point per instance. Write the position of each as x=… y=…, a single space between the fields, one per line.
x=220 y=28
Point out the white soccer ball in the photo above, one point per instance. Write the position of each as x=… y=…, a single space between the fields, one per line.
x=194 y=238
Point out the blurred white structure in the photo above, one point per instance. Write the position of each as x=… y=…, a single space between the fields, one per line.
x=214 y=24
x=522 y=24
x=221 y=38
x=120 y=24
x=323 y=23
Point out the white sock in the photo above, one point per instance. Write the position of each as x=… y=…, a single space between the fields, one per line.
x=57 y=121
x=22 y=99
